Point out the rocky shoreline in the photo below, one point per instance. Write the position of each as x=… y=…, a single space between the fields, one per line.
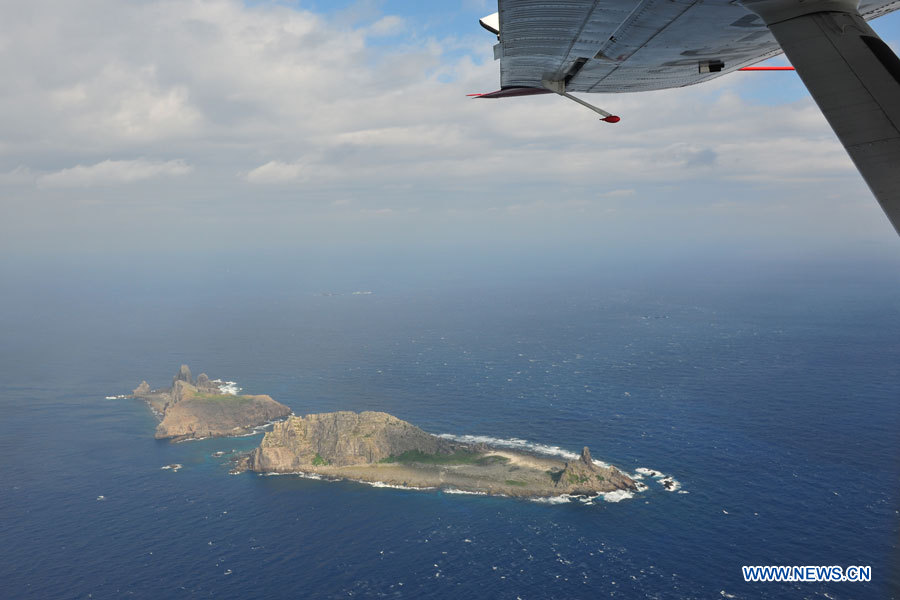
x=379 y=448
x=369 y=447
x=193 y=409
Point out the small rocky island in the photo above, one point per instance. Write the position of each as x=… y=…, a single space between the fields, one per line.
x=372 y=447
x=202 y=408
x=378 y=447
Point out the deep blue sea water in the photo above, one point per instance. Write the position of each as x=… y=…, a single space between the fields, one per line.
x=769 y=391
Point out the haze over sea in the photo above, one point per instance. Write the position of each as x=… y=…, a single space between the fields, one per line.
x=767 y=388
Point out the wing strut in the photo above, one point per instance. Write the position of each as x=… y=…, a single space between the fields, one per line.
x=854 y=77
x=559 y=87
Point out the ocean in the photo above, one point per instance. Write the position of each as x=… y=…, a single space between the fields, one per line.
x=769 y=391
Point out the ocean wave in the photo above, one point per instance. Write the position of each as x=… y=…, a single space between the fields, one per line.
x=561 y=499
x=518 y=444
x=617 y=496
x=381 y=484
x=199 y=439
x=467 y=492
x=302 y=474
x=648 y=472
x=227 y=387
x=670 y=483
x=515 y=443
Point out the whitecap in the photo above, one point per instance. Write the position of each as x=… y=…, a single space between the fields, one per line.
x=617 y=496
x=649 y=472
x=561 y=499
x=670 y=484
x=518 y=444
x=227 y=387
x=467 y=492
x=381 y=484
x=301 y=474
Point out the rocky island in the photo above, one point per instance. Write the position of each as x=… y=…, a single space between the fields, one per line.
x=378 y=447
x=201 y=408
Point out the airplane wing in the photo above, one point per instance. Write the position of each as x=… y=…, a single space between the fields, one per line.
x=612 y=46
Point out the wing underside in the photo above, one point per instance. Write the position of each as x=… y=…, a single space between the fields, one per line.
x=633 y=45
x=639 y=45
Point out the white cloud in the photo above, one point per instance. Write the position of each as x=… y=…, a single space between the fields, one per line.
x=243 y=91
x=385 y=26
x=276 y=171
x=111 y=172
x=624 y=193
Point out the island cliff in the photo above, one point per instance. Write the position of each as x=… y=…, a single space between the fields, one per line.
x=378 y=447
x=195 y=409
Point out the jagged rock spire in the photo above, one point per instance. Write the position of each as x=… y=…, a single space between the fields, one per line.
x=586 y=457
x=184 y=374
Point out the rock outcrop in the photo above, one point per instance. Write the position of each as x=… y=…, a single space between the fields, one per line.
x=188 y=411
x=201 y=416
x=341 y=439
x=183 y=374
x=378 y=447
x=583 y=476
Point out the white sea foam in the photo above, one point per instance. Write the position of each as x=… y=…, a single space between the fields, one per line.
x=174 y=467
x=617 y=496
x=119 y=397
x=381 y=484
x=561 y=499
x=518 y=444
x=670 y=484
x=467 y=492
x=227 y=387
x=302 y=474
x=649 y=472
x=641 y=487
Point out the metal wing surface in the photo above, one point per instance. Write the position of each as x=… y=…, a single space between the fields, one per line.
x=633 y=45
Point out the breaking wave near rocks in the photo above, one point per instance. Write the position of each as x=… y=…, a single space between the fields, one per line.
x=518 y=444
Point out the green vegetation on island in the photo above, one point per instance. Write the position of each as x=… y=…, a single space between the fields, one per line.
x=378 y=447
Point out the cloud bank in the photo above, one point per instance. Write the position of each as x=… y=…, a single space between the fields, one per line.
x=244 y=105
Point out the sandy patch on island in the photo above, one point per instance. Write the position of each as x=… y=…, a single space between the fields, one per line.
x=531 y=462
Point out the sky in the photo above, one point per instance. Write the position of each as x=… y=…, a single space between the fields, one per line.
x=172 y=128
